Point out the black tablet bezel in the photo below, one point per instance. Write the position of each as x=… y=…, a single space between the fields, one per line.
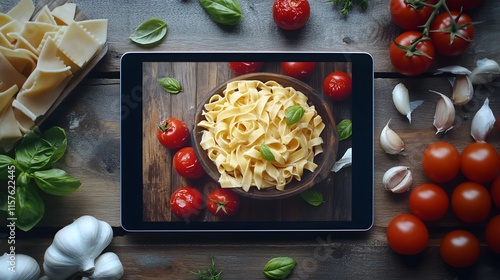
x=131 y=203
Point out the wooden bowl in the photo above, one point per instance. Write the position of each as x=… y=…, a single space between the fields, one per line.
x=324 y=160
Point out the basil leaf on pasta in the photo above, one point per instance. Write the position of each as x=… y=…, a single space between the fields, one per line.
x=266 y=153
x=294 y=114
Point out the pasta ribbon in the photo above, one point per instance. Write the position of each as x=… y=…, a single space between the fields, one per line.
x=249 y=113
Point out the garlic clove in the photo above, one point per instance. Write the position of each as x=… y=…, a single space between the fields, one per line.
x=21 y=267
x=397 y=179
x=486 y=71
x=454 y=69
x=390 y=141
x=107 y=266
x=401 y=99
x=483 y=122
x=463 y=91
x=444 y=115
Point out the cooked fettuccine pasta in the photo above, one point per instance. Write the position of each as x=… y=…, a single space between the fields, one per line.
x=250 y=113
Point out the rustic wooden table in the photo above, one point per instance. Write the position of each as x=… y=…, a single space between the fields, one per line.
x=91 y=117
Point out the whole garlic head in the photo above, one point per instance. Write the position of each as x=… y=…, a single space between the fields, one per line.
x=18 y=267
x=75 y=247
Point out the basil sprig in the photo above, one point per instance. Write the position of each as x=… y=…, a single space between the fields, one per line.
x=312 y=197
x=266 y=153
x=293 y=114
x=150 y=32
x=279 y=268
x=32 y=168
x=225 y=12
x=170 y=85
x=344 y=129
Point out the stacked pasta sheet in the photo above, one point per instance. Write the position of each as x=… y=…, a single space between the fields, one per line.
x=39 y=55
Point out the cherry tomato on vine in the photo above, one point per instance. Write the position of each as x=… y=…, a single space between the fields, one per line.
x=410 y=15
x=186 y=163
x=471 y=202
x=495 y=191
x=466 y=5
x=492 y=234
x=298 y=70
x=459 y=248
x=291 y=14
x=480 y=162
x=223 y=202
x=186 y=202
x=337 y=86
x=407 y=234
x=451 y=35
x=172 y=133
x=240 y=68
x=429 y=202
x=441 y=162
x=410 y=57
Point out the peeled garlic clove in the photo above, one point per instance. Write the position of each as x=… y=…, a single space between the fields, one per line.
x=390 y=141
x=21 y=267
x=487 y=70
x=444 y=115
x=397 y=179
x=462 y=90
x=482 y=123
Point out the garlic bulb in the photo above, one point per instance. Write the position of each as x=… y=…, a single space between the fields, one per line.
x=487 y=70
x=401 y=100
x=75 y=248
x=482 y=123
x=18 y=267
x=463 y=91
x=397 y=179
x=107 y=267
x=390 y=141
x=444 y=115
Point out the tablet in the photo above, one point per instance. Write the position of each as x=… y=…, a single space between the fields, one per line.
x=338 y=201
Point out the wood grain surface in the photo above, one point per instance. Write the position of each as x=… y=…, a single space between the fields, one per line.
x=91 y=115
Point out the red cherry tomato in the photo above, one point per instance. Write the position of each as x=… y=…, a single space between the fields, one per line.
x=240 y=68
x=172 y=133
x=441 y=162
x=471 y=202
x=480 y=162
x=492 y=234
x=298 y=70
x=223 y=202
x=410 y=16
x=186 y=203
x=459 y=248
x=446 y=40
x=413 y=60
x=186 y=163
x=495 y=192
x=407 y=234
x=429 y=202
x=291 y=14
x=466 y=5
x=337 y=86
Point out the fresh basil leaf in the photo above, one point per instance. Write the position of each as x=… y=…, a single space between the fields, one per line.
x=56 y=137
x=312 y=197
x=293 y=114
x=266 y=153
x=150 y=32
x=23 y=178
x=33 y=153
x=170 y=85
x=56 y=181
x=6 y=168
x=279 y=268
x=226 y=12
x=29 y=207
x=344 y=129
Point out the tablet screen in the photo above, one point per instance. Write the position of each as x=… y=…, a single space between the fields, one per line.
x=341 y=200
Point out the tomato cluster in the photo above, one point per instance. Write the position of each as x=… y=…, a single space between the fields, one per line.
x=471 y=202
x=429 y=27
